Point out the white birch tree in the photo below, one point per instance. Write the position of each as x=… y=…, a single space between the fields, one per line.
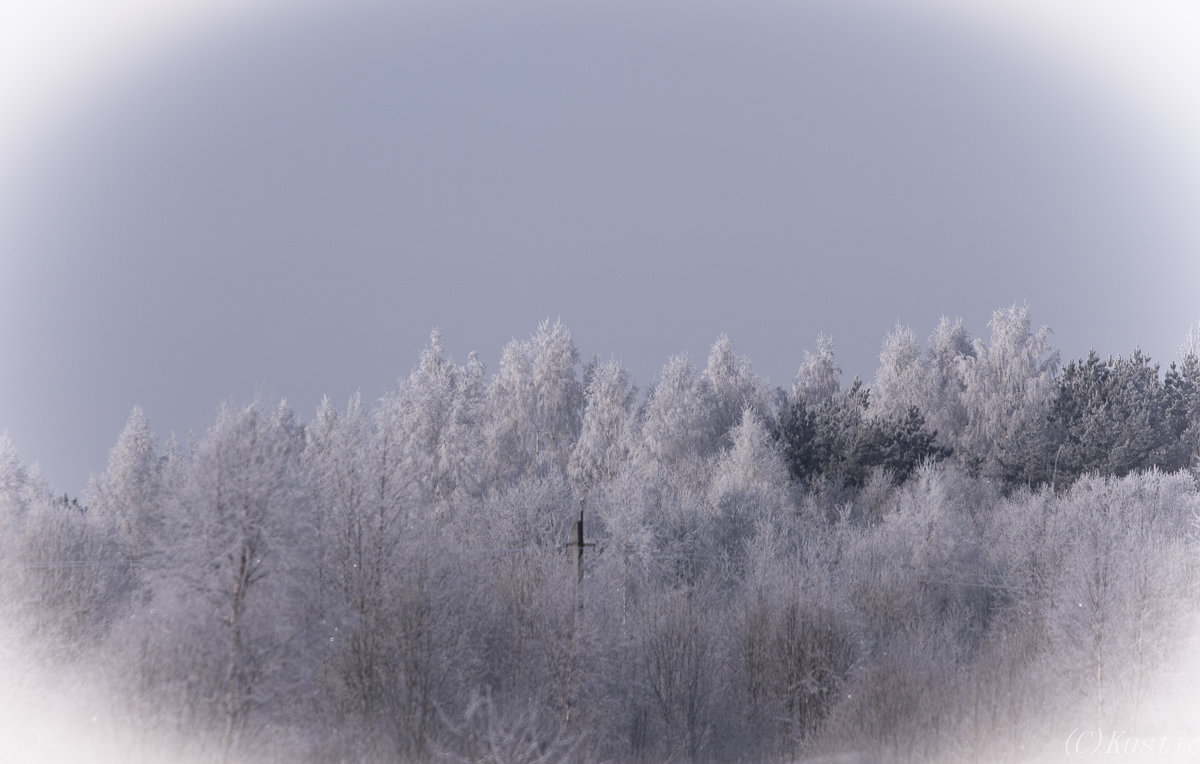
x=942 y=401
x=678 y=424
x=900 y=377
x=130 y=492
x=464 y=447
x=1008 y=387
x=242 y=517
x=427 y=408
x=535 y=401
x=734 y=387
x=819 y=377
x=608 y=435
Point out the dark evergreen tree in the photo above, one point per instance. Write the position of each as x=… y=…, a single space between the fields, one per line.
x=900 y=444
x=1181 y=394
x=838 y=442
x=1110 y=417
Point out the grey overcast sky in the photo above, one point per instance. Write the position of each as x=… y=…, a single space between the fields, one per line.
x=283 y=203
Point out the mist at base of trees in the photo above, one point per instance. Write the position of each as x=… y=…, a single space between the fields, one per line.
x=973 y=558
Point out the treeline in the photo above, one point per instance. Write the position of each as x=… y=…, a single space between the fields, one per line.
x=926 y=568
x=1004 y=410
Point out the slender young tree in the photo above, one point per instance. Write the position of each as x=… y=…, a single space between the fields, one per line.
x=427 y=409
x=374 y=501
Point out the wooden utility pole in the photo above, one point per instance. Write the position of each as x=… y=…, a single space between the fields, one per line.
x=579 y=545
x=578 y=611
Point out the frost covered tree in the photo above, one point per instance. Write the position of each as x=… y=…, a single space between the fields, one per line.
x=901 y=376
x=17 y=487
x=1182 y=392
x=838 y=444
x=793 y=652
x=677 y=656
x=130 y=492
x=240 y=520
x=370 y=507
x=622 y=507
x=56 y=576
x=1008 y=386
x=426 y=413
x=818 y=421
x=749 y=484
x=304 y=603
x=819 y=377
x=336 y=459
x=375 y=614
x=535 y=402
x=734 y=387
x=442 y=416
x=751 y=477
x=931 y=383
x=64 y=576
x=942 y=402
x=464 y=446
x=1117 y=586
x=677 y=424
x=1110 y=417
x=608 y=435
x=1190 y=347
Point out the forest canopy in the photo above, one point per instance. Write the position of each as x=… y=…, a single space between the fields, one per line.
x=916 y=567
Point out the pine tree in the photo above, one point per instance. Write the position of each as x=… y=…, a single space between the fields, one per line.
x=1111 y=417
x=1183 y=400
